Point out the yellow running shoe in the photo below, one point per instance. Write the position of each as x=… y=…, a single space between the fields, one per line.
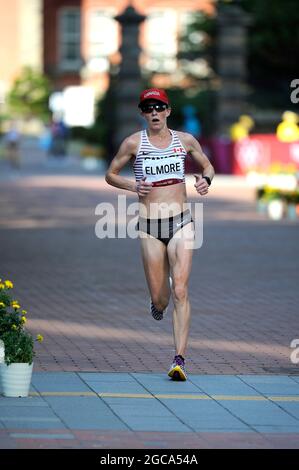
x=177 y=369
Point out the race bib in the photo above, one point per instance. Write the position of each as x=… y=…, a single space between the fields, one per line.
x=161 y=169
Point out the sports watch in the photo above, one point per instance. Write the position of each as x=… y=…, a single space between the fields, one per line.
x=208 y=180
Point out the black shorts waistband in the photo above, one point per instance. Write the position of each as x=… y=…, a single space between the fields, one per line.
x=173 y=218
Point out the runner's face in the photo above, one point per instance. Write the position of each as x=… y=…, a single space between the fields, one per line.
x=156 y=119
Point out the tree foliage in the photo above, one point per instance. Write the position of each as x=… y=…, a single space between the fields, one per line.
x=273 y=44
x=29 y=95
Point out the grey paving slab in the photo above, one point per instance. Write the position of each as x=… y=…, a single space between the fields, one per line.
x=260 y=413
x=30 y=417
x=58 y=382
x=189 y=406
x=34 y=423
x=114 y=377
x=161 y=384
x=22 y=401
x=292 y=408
x=116 y=387
x=272 y=385
x=139 y=407
x=207 y=414
x=224 y=429
x=222 y=385
x=199 y=421
x=128 y=400
x=85 y=413
x=26 y=411
x=266 y=378
x=150 y=377
x=202 y=424
x=170 y=424
x=278 y=429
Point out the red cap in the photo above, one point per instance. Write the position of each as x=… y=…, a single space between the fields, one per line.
x=154 y=94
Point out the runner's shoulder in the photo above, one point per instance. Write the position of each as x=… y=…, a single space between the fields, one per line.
x=188 y=140
x=131 y=143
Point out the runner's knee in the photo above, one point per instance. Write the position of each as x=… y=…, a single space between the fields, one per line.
x=180 y=293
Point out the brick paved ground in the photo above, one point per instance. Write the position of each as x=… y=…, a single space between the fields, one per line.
x=89 y=299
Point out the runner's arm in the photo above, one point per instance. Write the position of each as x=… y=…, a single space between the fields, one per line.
x=194 y=148
x=123 y=156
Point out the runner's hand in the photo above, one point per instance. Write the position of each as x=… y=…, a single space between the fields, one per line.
x=142 y=187
x=201 y=185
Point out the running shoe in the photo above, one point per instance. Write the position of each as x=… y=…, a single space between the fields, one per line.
x=177 y=369
x=157 y=314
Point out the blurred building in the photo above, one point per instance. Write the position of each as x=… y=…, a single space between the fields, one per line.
x=20 y=39
x=81 y=39
x=76 y=43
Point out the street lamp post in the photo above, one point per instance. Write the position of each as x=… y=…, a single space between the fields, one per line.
x=129 y=78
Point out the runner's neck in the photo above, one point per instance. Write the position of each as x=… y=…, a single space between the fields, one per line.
x=160 y=135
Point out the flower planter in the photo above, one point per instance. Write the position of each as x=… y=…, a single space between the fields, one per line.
x=15 y=379
x=276 y=209
x=2 y=351
x=262 y=207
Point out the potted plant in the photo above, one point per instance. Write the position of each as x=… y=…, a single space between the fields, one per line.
x=276 y=203
x=261 y=202
x=17 y=345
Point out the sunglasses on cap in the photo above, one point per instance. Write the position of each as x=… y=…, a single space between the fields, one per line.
x=148 y=108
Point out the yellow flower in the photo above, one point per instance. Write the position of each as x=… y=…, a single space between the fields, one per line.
x=2 y=304
x=15 y=304
x=2 y=286
x=8 y=284
x=39 y=338
x=24 y=312
x=14 y=327
x=23 y=319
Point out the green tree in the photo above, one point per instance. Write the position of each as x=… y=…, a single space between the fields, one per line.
x=198 y=42
x=29 y=95
x=273 y=44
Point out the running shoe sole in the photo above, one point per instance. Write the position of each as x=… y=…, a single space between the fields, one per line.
x=177 y=373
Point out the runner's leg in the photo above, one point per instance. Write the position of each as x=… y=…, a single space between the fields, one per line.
x=156 y=268
x=180 y=261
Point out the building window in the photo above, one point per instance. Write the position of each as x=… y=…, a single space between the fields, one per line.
x=69 y=39
x=102 y=39
x=161 y=40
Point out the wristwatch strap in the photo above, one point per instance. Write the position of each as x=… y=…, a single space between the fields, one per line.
x=208 y=180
